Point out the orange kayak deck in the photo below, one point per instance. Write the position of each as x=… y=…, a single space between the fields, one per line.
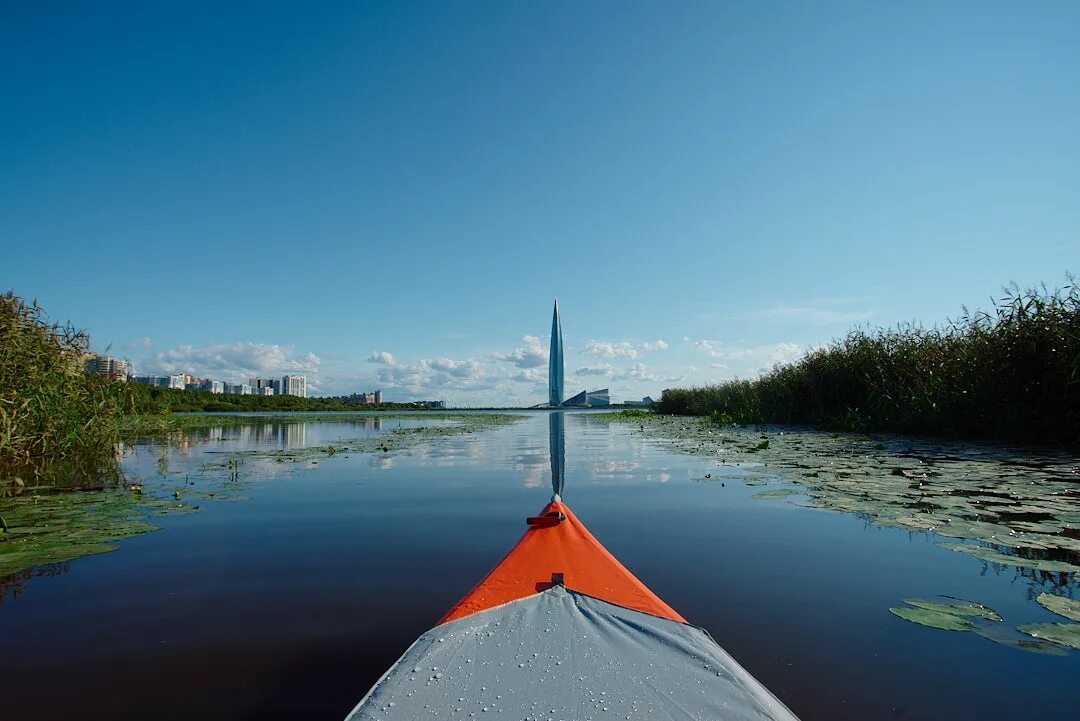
x=558 y=548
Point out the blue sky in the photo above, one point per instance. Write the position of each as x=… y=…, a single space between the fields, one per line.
x=391 y=194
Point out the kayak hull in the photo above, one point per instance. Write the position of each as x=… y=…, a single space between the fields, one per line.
x=559 y=629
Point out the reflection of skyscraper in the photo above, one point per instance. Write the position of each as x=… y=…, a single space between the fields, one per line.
x=293 y=435
x=557 y=443
x=555 y=361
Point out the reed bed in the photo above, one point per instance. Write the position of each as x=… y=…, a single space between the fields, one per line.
x=1011 y=374
x=53 y=416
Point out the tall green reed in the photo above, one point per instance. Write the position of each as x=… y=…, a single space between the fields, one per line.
x=1012 y=373
x=55 y=419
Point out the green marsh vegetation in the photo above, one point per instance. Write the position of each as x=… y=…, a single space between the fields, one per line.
x=45 y=525
x=1006 y=506
x=954 y=614
x=56 y=421
x=64 y=492
x=1016 y=510
x=1012 y=373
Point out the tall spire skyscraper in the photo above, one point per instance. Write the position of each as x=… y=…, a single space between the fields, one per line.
x=555 y=361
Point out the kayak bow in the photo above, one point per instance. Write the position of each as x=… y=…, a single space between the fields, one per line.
x=559 y=629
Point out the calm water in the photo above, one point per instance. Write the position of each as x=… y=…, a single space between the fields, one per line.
x=291 y=601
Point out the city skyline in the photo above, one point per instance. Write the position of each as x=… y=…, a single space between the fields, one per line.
x=361 y=194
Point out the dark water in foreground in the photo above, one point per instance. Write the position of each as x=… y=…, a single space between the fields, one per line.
x=291 y=602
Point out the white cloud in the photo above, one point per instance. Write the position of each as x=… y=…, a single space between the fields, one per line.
x=533 y=354
x=231 y=361
x=142 y=343
x=784 y=352
x=530 y=375
x=606 y=349
x=381 y=356
x=434 y=375
x=716 y=349
x=622 y=348
x=639 y=372
x=749 y=359
x=602 y=369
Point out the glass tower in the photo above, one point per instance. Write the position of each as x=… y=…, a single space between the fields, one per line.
x=555 y=361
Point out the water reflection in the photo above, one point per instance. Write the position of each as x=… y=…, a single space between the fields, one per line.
x=792 y=592
x=557 y=443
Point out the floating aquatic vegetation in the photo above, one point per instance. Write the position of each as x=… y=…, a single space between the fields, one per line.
x=776 y=493
x=1066 y=634
x=1060 y=605
x=933 y=619
x=1022 y=507
x=989 y=554
x=1011 y=638
x=58 y=527
x=956 y=607
x=42 y=525
x=955 y=614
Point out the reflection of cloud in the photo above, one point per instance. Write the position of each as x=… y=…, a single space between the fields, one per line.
x=533 y=476
x=382 y=462
x=612 y=467
x=664 y=477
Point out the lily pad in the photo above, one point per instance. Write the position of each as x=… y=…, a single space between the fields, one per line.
x=999 y=497
x=933 y=619
x=1066 y=634
x=1060 y=605
x=989 y=554
x=775 y=493
x=957 y=607
x=1008 y=636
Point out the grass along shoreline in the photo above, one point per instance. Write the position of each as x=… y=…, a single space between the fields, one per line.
x=1010 y=374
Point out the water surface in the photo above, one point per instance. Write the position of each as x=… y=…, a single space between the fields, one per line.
x=292 y=595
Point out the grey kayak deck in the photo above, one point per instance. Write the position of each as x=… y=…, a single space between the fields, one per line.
x=563 y=655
